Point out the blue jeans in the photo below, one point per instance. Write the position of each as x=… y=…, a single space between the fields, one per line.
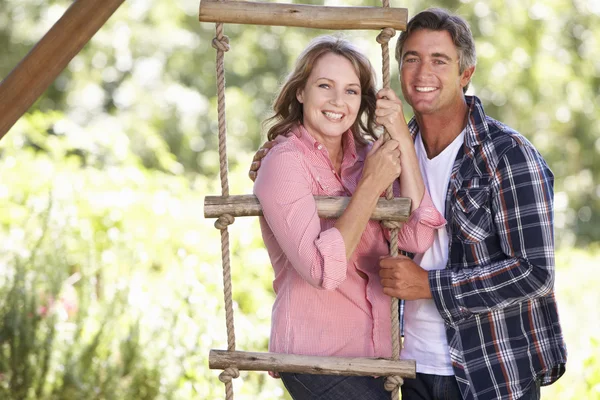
x=438 y=387
x=333 y=387
x=431 y=387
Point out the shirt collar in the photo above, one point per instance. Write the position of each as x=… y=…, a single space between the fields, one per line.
x=309 y=141
x=477 y=130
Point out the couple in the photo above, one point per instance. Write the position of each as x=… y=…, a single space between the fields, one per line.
x=480 y=316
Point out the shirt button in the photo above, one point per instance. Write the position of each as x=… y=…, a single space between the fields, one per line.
x=319 y=147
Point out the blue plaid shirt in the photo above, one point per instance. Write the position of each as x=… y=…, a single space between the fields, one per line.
x=496 y=294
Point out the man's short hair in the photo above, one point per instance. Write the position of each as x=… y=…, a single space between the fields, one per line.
x=438 y=19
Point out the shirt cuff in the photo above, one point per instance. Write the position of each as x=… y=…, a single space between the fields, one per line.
x=442 y=290
x=418 y=234
x=427 y=214
x=332 y=248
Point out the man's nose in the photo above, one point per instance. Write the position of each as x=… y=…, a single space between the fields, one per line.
x=425 y=68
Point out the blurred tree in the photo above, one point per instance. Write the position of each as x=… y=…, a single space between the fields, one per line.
x=120 y=149
x=147 y=81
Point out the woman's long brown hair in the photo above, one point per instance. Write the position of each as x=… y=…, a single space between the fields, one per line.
x=288 y=110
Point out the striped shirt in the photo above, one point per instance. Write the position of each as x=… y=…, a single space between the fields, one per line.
x=496 y=294
x=323 y=306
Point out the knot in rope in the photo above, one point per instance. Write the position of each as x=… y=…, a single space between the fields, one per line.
x=228 y=374
x=392 y=224
x=385 y=35
x=224 y=221
x=221 y=43
x=392 y=382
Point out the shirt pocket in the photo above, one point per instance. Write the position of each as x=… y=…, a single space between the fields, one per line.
x=472 y=215
x=329 y=185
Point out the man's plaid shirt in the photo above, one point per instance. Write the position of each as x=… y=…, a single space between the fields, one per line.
x=496 y=294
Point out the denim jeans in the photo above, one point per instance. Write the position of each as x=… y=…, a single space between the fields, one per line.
x=431 y=387
x=333 y=387
x=438 y=387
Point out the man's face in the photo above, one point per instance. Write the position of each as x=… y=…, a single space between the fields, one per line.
x=429 y=73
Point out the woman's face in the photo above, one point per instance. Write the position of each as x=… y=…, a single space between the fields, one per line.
x=331 y=98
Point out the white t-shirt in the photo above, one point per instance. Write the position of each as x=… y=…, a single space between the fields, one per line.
x=424 y=333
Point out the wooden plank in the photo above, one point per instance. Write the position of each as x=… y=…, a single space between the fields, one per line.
x=397 y=209
x=352 y=366
x=303 y=15
x=32 y=76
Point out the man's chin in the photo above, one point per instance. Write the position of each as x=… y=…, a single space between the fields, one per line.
x=423 y=108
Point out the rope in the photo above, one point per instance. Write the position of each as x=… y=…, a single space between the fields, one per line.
x=221 y=44
x=228 y=374
x=392 y=383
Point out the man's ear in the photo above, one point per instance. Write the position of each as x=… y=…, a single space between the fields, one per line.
x=466 y=76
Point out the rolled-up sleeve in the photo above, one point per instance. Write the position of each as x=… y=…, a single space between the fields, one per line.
x=330 y=245
x=417 y=234
x=283 y=187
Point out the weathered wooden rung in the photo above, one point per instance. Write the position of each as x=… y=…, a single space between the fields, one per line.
x=303 y=15
x=397 y=209
x=352 y=366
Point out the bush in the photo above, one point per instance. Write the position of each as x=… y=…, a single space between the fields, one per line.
x=110 y=287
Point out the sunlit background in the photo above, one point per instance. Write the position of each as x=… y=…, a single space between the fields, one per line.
x=110 y=277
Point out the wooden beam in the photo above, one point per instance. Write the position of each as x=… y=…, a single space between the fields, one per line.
x=397 y=209
x=303 y=15
x=32 y=76
x=352 y=366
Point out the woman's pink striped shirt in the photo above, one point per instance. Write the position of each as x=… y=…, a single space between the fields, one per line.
x=322 y=305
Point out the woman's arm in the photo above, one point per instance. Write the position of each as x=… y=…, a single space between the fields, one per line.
x=390 y=114
x=417 y=234
x=283 y=188
x=382 y=166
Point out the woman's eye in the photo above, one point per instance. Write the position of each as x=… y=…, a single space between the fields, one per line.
x=352 y=91
x=324 y=86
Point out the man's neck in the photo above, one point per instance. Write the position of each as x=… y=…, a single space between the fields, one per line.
x=439 y=130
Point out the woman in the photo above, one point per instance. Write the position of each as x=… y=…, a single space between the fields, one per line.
x=329 y=300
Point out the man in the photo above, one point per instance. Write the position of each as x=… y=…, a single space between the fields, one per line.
x=480 y=317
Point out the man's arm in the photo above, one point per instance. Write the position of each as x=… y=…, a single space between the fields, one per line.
x=522 y=210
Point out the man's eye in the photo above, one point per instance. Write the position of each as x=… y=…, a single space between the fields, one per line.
x=439 y=62
x=411 y=60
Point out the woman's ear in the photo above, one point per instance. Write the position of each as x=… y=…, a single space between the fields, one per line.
x=300 y=96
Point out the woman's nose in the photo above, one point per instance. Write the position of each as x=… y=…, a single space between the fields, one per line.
x=336 y=98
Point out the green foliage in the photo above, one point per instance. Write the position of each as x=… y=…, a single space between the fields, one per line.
x=148 y=78
x=110 y=285
x=578 y=297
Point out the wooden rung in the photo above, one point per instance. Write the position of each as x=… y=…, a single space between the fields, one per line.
x=352 y=366
x=303 y=15
x=397 y=209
